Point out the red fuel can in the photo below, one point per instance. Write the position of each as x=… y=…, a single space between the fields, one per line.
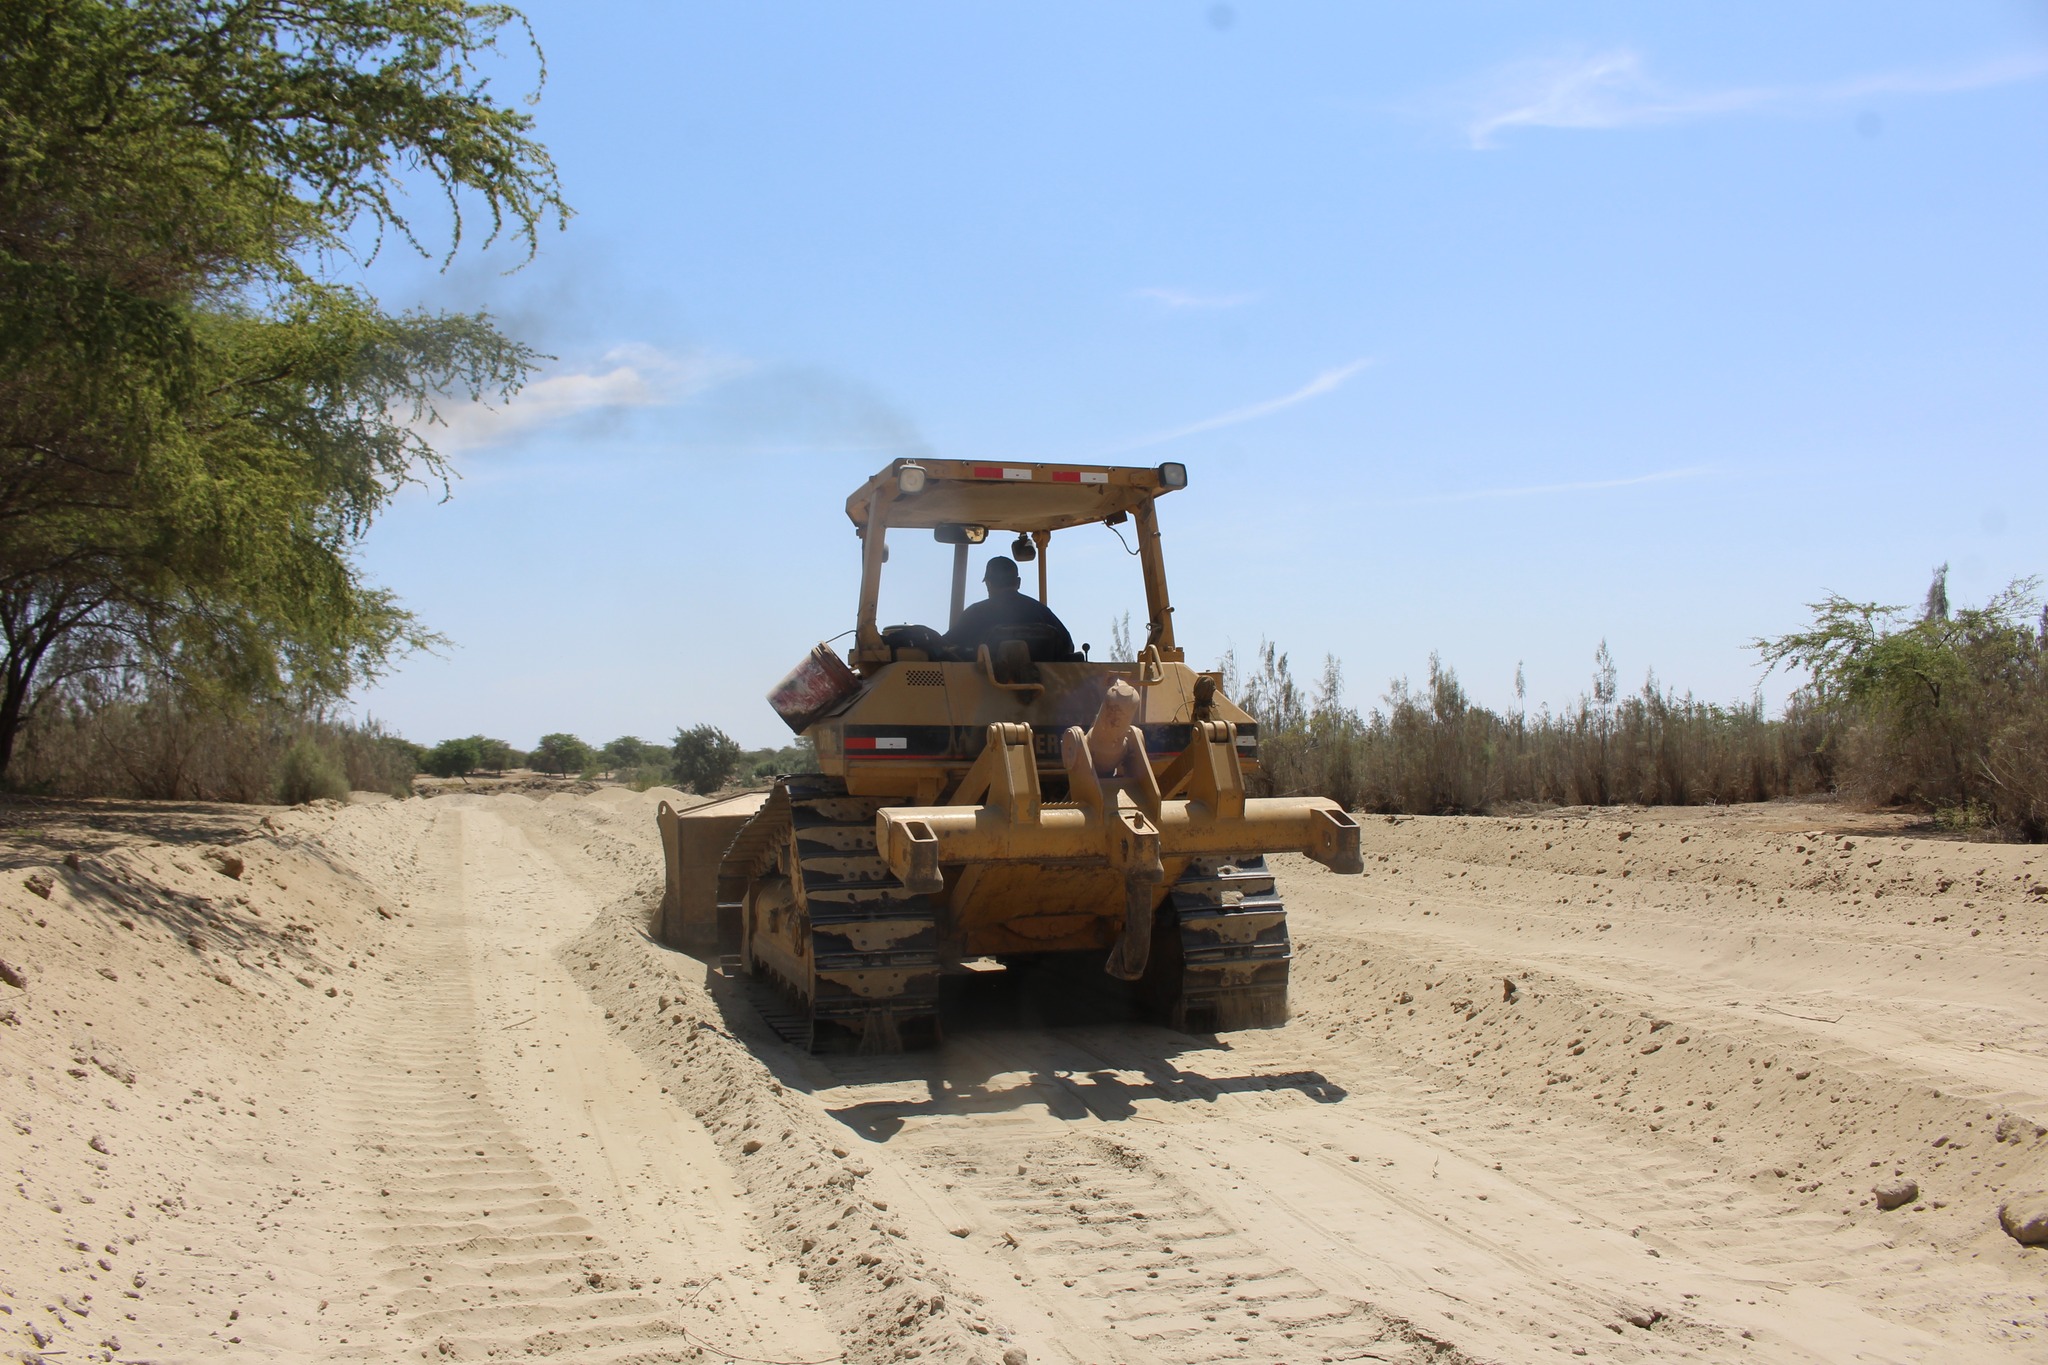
x=812 y=688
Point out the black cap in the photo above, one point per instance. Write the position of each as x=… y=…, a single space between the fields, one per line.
x=1001 y=569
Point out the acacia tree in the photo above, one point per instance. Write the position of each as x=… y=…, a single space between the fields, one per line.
x=1949 y=707
x=454 y=758
x=705 y=758
x=628 y=751
x=560 y=754
x=196 y=426
x=494 y=754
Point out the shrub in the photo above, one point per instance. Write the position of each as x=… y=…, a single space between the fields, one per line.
x=628 y=752
x=705 y=758
x=1430 y=750
x=645 y=775
x=376 y=761
x=800 y=757
x=309 y=773
x=163 y=743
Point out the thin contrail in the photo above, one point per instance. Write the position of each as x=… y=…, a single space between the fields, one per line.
x=1326 y=382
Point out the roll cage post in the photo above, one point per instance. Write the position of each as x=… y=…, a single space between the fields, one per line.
x=1159 y=610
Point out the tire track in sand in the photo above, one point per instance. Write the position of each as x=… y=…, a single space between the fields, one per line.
x=1168 y=1275
x=483 y=1251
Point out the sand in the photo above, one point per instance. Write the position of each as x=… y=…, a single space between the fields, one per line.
x=408 y=1080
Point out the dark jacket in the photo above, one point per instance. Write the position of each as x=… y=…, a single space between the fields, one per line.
x=1011 y=616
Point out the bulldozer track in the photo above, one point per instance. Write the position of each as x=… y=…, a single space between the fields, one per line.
x=482 y=1250
x=874 y=946
x=1220 y=958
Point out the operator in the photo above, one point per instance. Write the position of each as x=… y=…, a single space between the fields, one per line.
x=1008 y=614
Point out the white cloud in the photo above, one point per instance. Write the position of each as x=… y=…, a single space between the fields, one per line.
x=1329 y=381
x=1180 y=299
x=1614 y=89
x=1548 y=489
x=626 y=377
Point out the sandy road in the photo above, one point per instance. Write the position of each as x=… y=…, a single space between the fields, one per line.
x=534 y=1188
x=1612 y=1086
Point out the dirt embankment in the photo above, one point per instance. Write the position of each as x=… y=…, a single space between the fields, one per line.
x=409 y=1081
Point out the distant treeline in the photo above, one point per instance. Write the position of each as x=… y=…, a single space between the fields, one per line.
x=1943 y=710
x=153 y=749
x=702 y=758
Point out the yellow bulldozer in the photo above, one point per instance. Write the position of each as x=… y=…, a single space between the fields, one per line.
x=1002 y=801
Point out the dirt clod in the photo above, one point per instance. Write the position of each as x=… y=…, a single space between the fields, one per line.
x=2025 y=1219
x=2013 y=1128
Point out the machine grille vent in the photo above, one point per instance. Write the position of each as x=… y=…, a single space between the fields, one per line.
x=925 y=677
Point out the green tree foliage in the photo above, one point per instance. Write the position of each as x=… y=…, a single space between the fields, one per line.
x=706 y=758
x=1947 y=708
x=629 y=751
x=454 y=758
x=801 y=756
x=495 y=754
x=560 y=754
x=196 y=428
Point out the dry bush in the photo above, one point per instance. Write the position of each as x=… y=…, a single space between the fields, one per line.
x=1430 y=750
x=309 y=773
x=1948 y=713
x=156 y=747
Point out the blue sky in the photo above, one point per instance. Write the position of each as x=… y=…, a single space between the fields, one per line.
x=1494 y=330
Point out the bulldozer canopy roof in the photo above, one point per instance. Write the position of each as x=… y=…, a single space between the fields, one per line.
x=1010 y=496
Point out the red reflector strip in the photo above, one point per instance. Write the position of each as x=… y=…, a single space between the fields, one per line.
x=877 y=742
x=860 y=743
x=996 y=471
x=1079 y=476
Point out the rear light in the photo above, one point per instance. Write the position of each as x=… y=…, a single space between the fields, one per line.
x=910 y=479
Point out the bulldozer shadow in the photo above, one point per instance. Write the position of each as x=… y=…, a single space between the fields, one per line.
x=1104 y=1094
x=1057 y=1036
